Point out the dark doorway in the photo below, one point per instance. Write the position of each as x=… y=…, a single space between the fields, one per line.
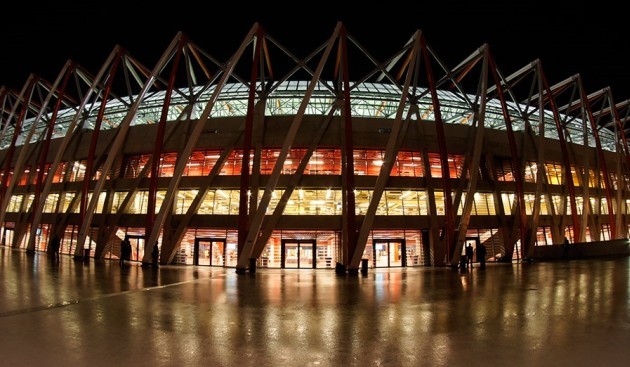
x=474 y=241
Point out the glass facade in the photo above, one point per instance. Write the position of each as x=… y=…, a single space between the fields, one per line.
x=314 y=211
x=303 y=248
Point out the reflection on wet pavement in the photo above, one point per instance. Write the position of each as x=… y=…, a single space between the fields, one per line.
x=100 y=314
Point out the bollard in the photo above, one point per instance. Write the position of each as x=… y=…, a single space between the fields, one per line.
x=252 y=265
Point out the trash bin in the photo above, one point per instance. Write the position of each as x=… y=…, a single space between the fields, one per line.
x=364 y=266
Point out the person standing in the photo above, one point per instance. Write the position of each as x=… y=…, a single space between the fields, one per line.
x=55 y=245
x=463 y=262
x=565 y=249
x=125 y=250
x=469 y=255
x=481 y=256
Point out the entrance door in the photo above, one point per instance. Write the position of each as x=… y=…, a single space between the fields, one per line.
x=389 y=253
x=297 y=254
x=7 y=237
x=474 y=242
x=137 y=247
x=209 y=252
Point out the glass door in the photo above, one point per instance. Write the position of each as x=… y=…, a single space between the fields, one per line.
x=137 y=247
x=389 y=253
x=209 y=252
x=7 y=238
x=306 y=255
x=217 y=252
x=298 y=254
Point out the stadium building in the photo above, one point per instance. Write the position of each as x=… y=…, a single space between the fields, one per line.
x=272 y=160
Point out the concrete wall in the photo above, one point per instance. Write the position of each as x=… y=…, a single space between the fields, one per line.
x=584 y=250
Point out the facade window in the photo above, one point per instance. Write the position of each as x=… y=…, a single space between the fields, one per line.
x=483 y=204
x=15 y=203
x=455 y=165
x=508 y=202
x=66 y=200
x=201 y=162
x=579 y=204
x=613 y=180
x=77 y=172
x=139 y=203
x=100 y=204
x=51 y=203
x=29 y=201
x=531 y=170
x=439 y=202
x=232 y=164
x=606 y=232
x=602 y=180
x=134 y=165
x=27 y=177
x=554 y=173
x=559 y=204
x=117 y=201
x=529 y=203
x=60 y=173
x=183 y=199
x=504 y=170
x=195 y=165
x=544 y=206
x=604 y=206
x=408 y=164
x=207 y=205
x=322 y=162
x=226 y=202
x=543 y=237
x=410 y=200
x=167 y=164
x=577 y=179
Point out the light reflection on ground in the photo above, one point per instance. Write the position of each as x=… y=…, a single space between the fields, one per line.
x=99 y=314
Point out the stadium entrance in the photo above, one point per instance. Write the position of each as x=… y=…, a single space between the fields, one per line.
x=7 y=237
x=209 y=252
x=297 y=254
x=137 y=247
x=389 y=253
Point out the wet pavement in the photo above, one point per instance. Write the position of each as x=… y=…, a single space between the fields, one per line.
x=574 y=313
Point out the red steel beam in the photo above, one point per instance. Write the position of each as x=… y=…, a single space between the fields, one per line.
x=565 y=160
x=351 y=225
x=449 y=231
x=518 y=177
x=16 y=132
x=159 y=141
x=600 y=155
x=43 y=154
x=243 y=214
x=622 y=133
x=97 y=127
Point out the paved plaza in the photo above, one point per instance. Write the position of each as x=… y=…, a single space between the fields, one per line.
x=564 y=313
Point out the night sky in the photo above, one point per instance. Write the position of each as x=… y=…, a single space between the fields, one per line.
x=568 y=38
